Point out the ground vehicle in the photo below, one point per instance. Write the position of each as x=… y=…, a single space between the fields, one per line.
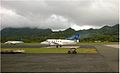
x=72 y=51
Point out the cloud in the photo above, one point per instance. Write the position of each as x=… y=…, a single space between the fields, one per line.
x=59 y=14
x=10 y=19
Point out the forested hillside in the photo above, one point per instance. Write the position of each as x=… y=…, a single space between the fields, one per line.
x=106 y=33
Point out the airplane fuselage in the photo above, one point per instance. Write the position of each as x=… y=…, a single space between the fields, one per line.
x=59 y=42
x=14 y=42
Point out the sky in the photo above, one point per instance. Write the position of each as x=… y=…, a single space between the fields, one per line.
x=59 y=14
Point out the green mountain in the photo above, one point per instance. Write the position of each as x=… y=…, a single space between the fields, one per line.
x=106 y=33
x=25 y=34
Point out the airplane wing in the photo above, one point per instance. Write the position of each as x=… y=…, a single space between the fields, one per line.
x=55 y=43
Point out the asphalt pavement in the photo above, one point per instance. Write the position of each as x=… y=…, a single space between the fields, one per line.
x=105 y=61
x=110 y=55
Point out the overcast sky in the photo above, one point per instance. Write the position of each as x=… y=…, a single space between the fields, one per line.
x=59 y=14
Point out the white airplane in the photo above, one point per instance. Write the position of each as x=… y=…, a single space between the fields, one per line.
x=60 y=42
x=14 y=42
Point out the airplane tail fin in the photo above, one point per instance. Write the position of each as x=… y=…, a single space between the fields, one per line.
x=75 y=37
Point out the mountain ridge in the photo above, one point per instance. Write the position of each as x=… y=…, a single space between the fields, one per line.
x=106 y=33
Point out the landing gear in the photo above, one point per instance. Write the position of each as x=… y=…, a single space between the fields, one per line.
x=58 y=46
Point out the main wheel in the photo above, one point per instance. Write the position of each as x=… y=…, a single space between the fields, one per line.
x=57 y=46
x=60 y=45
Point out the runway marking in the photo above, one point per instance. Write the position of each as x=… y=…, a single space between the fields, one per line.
x=114 y=46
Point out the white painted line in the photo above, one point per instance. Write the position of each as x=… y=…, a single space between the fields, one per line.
x=114 y=46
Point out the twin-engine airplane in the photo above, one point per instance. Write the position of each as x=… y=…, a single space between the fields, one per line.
x=60 y=42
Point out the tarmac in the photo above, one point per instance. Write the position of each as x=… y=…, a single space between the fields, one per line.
x=105 y=61
x=114 y=46
x=110 y=55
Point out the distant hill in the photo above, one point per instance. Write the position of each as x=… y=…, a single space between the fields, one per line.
x=25 y=34
x=106 y=33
